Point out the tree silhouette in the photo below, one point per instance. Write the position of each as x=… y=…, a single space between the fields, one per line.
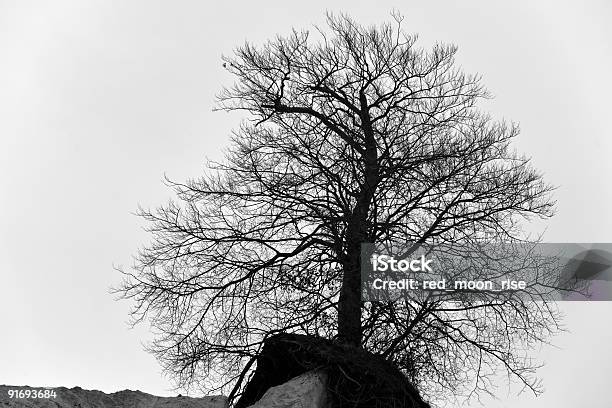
x=353 y=135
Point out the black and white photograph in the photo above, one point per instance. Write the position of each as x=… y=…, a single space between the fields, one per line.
x=305 y=204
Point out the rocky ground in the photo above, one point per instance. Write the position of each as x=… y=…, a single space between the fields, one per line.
x=78 y=397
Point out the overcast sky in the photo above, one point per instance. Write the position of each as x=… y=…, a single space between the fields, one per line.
x=98 y=99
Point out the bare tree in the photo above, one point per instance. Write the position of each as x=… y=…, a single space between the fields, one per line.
x=353 y=135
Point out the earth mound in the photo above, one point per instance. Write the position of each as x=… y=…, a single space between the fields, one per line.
x=354 y=377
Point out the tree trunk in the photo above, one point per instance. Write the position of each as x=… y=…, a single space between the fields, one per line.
x=349 y=306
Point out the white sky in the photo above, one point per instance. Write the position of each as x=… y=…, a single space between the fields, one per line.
x=98 y=99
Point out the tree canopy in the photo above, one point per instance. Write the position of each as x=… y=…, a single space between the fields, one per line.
x=352 y=134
